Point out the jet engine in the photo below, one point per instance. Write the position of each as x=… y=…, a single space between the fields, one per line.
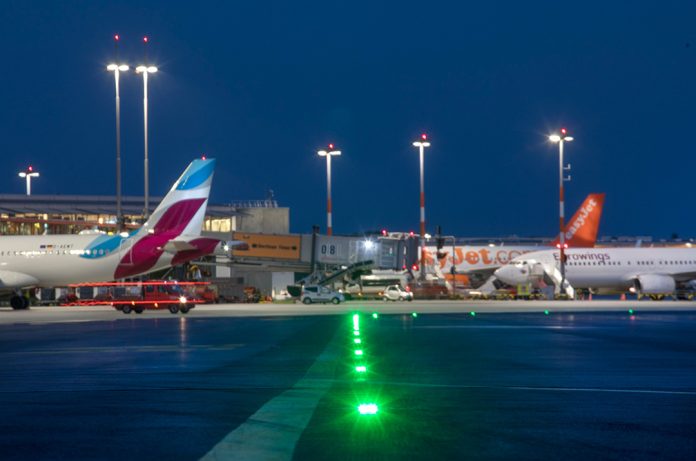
x=655 y=284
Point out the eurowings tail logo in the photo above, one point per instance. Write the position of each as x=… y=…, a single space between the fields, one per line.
x=181 y=212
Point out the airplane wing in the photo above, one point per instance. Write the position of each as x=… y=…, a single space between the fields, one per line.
x=684 y=276
x=175 y=246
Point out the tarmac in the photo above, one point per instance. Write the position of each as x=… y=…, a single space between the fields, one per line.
x=446 y=380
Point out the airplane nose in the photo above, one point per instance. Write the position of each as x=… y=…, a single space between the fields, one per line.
x=501 y=273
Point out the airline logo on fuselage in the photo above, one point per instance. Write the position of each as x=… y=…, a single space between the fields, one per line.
x=65 y=246
x=477 y=256
x=580 y=220
x=601 y=257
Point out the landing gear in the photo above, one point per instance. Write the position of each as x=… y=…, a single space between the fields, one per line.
x=19 y=302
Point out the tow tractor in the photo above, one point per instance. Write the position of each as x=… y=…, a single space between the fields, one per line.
x=135 y=297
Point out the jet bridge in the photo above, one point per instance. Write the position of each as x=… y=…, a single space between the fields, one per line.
x=316 y=252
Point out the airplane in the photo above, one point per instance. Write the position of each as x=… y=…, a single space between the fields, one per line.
x=477 y=263
x=645 y=271
x=171 y=236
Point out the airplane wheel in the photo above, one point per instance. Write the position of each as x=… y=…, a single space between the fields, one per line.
x=126 y=309
x=173 y=308
x=19 y=302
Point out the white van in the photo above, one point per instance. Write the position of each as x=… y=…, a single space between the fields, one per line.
x=318 y=294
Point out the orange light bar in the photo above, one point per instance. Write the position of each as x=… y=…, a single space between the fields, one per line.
x=130 y=284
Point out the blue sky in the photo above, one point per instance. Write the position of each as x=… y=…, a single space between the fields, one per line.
x=262 y=85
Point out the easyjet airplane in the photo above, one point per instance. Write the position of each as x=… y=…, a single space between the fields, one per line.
x=476 y=263
x=610 y=270
x=171 y=236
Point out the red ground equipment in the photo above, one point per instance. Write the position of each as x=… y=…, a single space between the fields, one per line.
x=137 y=296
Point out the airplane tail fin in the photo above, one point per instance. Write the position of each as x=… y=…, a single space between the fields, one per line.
x=183 y=208
x=180 y=214
x=581 y=230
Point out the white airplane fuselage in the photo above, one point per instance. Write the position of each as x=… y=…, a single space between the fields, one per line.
x=59 y=260
x=609 y=268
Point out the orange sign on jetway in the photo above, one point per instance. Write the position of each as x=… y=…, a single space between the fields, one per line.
x=268 y=246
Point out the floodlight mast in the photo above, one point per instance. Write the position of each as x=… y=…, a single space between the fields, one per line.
x=421 y=144
x=328 y=153
x=562 y=246
x=28 y=174
x=117 y=68
x=146 y=70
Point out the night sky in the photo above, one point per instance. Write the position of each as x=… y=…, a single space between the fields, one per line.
x=262 y=85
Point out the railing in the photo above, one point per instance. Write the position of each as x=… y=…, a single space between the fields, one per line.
x=254 y=204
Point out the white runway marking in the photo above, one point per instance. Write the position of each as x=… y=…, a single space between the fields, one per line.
x=273 y=431
x=509 y=327
x=541 y=388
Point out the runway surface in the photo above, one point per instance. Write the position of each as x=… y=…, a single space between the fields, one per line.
x=259 y=382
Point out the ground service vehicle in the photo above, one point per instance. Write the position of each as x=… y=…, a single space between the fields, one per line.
x=373 y=285
x=135 y=297
x=396 y=293
x=318 y=294
x=428 y=289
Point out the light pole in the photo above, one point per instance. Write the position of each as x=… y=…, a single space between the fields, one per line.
x=145 y=70
x=330 y=152
x=28 y=174
x=117 y=69
x=421 y=144
x=560 y=139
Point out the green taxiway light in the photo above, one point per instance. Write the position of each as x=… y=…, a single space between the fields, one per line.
x=358 y=352
x=361 y=369
x=356 y=322
x=356 y=333
x=357 y=340
x=473 y=314
x=368 y=408
x=630 y=311
x=546 y=312
x=375 y=315
x=415 y=314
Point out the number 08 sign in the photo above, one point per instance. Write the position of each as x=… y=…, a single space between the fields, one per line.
x=332 y=249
